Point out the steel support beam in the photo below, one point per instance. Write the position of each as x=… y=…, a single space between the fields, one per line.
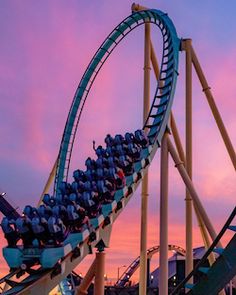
x=181 y=154
x=49 y=182
x=163 y=274
x=199 y=209
x=176 y=137
x=144 y=204
x=188 y=182
x=207 y=90
x=87 y=280
x=186 y=45
x=99 y=273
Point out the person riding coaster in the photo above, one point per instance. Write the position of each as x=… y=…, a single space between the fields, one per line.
x=24 y=228
x=65 y=188
x=77 y=218
x=101 y=173
x=90 y=175
x=60 y=211
x=129 y=138
x=10 y=232
x=40 y=229
x=100 y=151
x=88 y=186
x=116 y=176
x=57 y=229
x=141 y=138
x=101 y=162
x=44 y=211
x=134 y=151
x=126 y=164
x=49 y=200
x=119 y=139
x=30 y=211
x=106 y=191
x=77 y=187
x=112 y=162
x=90 y=202
x=74 y=198
x=110 y=150
x=109 y=140
x=119 y=151
x=62 y=199
x=79 y=175
x=90 y=164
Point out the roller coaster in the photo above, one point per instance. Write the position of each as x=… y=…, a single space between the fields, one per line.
x=125 y=277
x=48 y=242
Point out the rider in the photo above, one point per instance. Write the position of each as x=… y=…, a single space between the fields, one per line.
x=10 y=233
x=57 y=230
x=126 y=164
x=90 y=164
x=40 y=229
x=60 y=211
x=141 y=138
x=44 y=211
x=49 y=200
x=109 y=140
x=23 y=225
x=79 y=175
x=134 y=151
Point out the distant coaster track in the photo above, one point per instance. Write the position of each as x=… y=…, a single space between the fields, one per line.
x=77 y=246
x=125 y=277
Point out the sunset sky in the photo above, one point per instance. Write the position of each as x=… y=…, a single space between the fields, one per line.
x=45 y=48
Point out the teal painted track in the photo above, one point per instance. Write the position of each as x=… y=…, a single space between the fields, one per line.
x=76 y=247
x=223 y=270
x=220 y=273
x=162 y=101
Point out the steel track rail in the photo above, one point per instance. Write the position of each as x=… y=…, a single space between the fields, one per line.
x=211 y=249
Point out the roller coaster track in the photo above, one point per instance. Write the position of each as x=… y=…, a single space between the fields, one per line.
x=221 y=272
x=163 y=99
x=125 y=277
x=41 y=281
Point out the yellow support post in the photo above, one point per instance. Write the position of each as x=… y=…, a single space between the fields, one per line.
x=99 y=273
x=181 y=154
x=163 y=274
x=188 y=182
x=87 y=280
x=207 y=90
x=144 y=204
x=186 y=45
x=49 y=181
x=176 y=136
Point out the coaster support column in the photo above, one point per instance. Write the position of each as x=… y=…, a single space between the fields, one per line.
x=87 y=280
x=186 y=45
x=180 y=166
x=99 y=273
x=49 y=181
x=144 y=205
x=207 y=90
x=163 y=274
